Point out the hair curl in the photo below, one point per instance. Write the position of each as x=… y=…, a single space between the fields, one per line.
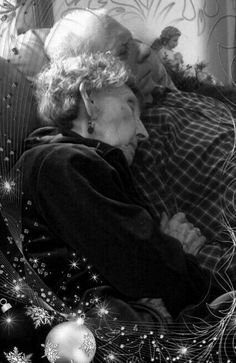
x=168 y=33
x=57 y=86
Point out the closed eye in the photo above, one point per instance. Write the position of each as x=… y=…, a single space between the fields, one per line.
x=123 y=51
x=124 y=47
x=132 y=104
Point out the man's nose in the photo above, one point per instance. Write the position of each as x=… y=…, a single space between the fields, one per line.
x=141 y=131
x=144 y=52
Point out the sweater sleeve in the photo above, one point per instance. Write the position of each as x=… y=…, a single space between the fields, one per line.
x=83 y=200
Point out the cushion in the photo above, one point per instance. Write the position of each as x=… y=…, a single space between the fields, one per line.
x=17 y=113
x=26 y=51
x=7 y=32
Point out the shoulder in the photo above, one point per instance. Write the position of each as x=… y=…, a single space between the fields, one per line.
x=61 y=152
x=59 y=158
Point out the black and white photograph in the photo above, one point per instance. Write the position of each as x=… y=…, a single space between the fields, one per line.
x=117 y=181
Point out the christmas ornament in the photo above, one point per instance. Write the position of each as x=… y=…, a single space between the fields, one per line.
x=70 y=342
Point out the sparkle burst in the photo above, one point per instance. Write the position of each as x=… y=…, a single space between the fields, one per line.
x=74 y=264
x=7 y=187
x=183 y=351
x=110 y=357
x=94 y=277
x=102 y=310
x=8 y=321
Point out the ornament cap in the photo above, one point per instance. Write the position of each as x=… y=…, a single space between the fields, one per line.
x=5 y=306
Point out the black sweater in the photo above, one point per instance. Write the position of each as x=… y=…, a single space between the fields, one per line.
x=79 y=198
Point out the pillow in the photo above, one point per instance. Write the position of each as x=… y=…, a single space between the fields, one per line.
x=26 y=51
x=7 y=32
x=18 y=113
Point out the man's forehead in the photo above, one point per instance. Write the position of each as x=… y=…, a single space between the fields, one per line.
x=116 y=30
x=104 y=32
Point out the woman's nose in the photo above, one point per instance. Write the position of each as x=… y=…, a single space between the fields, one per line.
x=141 y=131
x=144 y=52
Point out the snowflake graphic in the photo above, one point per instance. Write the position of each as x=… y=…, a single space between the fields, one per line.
x=39 y=315
x=51 y=352
x=16 y=357
x=88 y=346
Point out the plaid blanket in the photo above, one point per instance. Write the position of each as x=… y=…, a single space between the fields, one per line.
x=187 y=165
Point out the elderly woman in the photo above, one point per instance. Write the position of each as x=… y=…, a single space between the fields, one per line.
x=86 y=224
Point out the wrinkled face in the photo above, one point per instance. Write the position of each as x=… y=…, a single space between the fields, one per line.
x=118 y=123
x=173 y=42
x=113 y=37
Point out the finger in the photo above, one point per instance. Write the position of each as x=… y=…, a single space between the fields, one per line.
x=183 y=232
x=178 y=230
x=196 y=245
x=191 y=226
x=179 y=217
x=175 y=223
x=188 y=226
x=173 y=229
x=192 y=236
x=198 y=231
x=164 y=222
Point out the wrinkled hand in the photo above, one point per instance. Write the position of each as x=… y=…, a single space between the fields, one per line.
x=179 y=228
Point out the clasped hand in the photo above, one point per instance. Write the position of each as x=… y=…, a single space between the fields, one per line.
x=178 y=227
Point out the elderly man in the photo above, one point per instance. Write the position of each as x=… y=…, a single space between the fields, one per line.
x=184 y=165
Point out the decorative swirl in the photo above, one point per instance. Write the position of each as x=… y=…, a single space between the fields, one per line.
x=72 y=2
x=201 y=22
x=8 y=7
x=137 y=9
x=213 y=14
x=189 y=8
x=166 y=10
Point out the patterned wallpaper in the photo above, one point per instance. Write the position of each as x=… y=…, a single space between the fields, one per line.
x=207 y=26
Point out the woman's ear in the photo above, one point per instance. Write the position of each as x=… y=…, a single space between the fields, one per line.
x=89 y=105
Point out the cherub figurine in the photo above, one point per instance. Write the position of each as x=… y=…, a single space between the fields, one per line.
x=174 y=61
x=169 y=40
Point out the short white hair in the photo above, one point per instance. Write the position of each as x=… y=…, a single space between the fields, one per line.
x=70 y=35
x=58 y=85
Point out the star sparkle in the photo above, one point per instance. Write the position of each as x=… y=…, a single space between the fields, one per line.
x=7 y=187
x=74 y=264
x=102 y=310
